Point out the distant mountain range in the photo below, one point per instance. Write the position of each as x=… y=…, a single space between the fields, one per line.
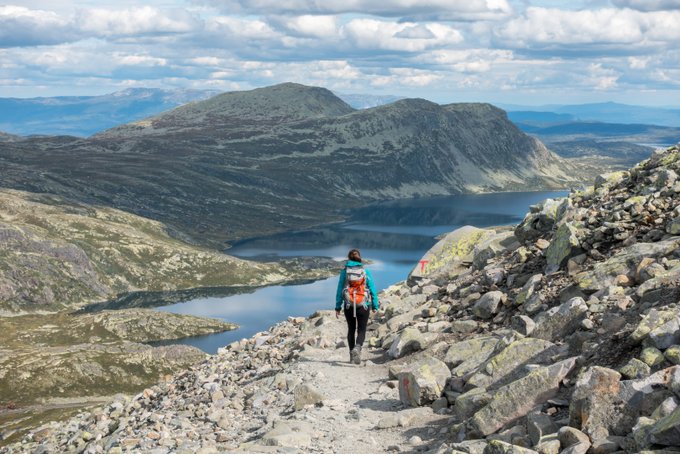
x=84 y=115
x=243 y=164
x=608 y=112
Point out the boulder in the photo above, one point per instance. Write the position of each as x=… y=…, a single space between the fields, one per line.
x=539 y=425
x=487 y=306
x=510 y=363
x=449 y=255
x=635 y=369
x=570 y=436
x=652 y=356
x=289 y=434
x=654 y=319
x=467 y=404
x=423 y=382
x=595 y=394
x=666 y=431
x=523 y=324
x=610 y=179
x=516 y=399
x=463 y=357
x=664 y=335
x=528 y=289
x=410 y=340
x=565 y=244
x=304 y=395
x=560 y=321
x=672 y=354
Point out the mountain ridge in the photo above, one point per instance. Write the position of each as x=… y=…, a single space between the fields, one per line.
x=211 y=175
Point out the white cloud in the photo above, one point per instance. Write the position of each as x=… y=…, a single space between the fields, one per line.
x=20 y=26
x=409 y=77
x=139 y=60
x=375 y=34
x=224 y=27
x=648 y=5
x=315 y=26
x=135 y=21
x=449 y=9
x=626 y=28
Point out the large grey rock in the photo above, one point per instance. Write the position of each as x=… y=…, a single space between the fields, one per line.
x=665 y=335
x=559 y=321
x=650 y=322
x=510 y=363
x=465 y=356
x=601 y=403
x=666 y=431
x=449 y=255
x=410 y=340
x=539 y=425
x=487 y=306
x=423 y=382
x=292 y=434
x=528 y=289
x=516 y=399
x=564 y=245
x=595 y=394
x=304 y=395
x=467 y=404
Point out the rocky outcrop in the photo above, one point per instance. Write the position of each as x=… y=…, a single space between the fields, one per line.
x=591 y=367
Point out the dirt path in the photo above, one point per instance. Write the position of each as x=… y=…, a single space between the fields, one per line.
x=358 y=400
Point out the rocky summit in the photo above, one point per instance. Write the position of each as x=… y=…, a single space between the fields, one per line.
x=562 y=336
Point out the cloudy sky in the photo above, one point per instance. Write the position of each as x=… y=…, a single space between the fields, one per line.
x=508 y=51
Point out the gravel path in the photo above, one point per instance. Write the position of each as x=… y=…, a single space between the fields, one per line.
x=358 y=398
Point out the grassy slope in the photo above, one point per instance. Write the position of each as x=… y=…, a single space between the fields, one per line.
x=57 y=253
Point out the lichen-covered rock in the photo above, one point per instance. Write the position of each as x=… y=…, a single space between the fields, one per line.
x=510 y=363
x=651 y=356
x=449 y=253
x=528 y=289
x=666 y=431
x=654 y=319
x=564 y=245
x=465 y=356
x=467 y=404
x=672 y=354
x=635 y=369
x=515 y=399
x=560 y=321
x=423 y=382
x=410 y=340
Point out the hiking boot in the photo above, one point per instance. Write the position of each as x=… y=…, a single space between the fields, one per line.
x=357 y=355
x=352 y=356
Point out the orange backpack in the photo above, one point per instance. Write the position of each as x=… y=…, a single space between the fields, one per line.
x=355 y=292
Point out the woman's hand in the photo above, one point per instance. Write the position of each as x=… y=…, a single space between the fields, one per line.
x=337 y=314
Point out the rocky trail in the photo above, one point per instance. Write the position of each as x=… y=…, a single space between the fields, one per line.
x=561 y=336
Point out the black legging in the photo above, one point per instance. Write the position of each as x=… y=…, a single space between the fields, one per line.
x=362 y=319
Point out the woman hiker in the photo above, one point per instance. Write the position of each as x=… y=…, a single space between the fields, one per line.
x=356 y=292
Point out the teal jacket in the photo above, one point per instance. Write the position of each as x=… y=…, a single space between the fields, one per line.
x=369 y=282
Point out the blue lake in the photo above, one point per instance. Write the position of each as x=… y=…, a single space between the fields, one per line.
x=392 y=235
